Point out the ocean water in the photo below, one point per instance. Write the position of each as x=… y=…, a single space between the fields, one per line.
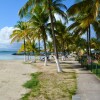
x=7 y=55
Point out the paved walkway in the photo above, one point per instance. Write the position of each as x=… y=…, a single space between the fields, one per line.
x=88 y=84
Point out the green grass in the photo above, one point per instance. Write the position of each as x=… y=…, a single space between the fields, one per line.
x=51 y=86
x=32 y=84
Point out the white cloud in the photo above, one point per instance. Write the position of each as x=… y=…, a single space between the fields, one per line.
x=58 y=17
x=5 y=39
x=5 y=33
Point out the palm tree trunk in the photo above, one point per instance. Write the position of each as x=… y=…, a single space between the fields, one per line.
x=89 y=41
x=24 y=50
x=39 y=44
x=44 y=40
x=39 y=47
x=45 y=63
x=63 y=51
x=54 y=39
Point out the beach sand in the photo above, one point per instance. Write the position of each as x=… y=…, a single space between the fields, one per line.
x=13 y=74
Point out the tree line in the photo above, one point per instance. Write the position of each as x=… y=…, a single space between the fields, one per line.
x=42 y=24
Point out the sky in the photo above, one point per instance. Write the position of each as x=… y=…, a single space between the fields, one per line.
x=9 y=11
x=9 y=17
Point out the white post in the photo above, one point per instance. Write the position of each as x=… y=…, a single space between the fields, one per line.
x=58 y=64
x=45 y=61
x=30 y=56
x=24 y=58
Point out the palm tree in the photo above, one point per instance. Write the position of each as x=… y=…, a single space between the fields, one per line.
x=55 y=5
x=50 y=46
x=62 y=35
x=39 y=21
x=85 y=13
x=96 y=27
x=95 y=44
x=19 y=34
x=78 y=31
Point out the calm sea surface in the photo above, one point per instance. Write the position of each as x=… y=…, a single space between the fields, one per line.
x=7 y=55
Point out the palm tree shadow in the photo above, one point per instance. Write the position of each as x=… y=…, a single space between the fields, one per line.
x=52 y=62
x=68 y=72
x=76 y=66
x=66 y=63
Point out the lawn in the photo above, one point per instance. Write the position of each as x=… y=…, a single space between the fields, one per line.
x=50 y=85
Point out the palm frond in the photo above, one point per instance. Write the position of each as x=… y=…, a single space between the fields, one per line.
x=72 y=26
x=79 y=7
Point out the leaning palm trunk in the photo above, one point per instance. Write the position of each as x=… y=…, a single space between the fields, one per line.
x=58 y=64
x=45 y=60
x=54 y=39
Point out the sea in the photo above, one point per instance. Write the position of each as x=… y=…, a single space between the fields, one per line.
x=8 y=55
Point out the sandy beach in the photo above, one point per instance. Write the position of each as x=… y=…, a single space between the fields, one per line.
x=13 y=74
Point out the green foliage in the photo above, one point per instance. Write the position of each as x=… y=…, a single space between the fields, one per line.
x=32 y=84
x=84 y=13
x=50 y=46
x=95 y=44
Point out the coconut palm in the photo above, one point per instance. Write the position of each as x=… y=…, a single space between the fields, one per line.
x=39 y=23
x=62 y=35
x=55 y=5
x=50 y=46
x=95 y=44
x=85 y=13
x=50 y=6
x=80 y=43
x=79 y=31
x=20 y=33
x=85 y=9
x=96 y=27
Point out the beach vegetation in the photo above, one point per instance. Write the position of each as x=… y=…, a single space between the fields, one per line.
x=42 y=24
x=51 y=86
x=21 y=34
x=56 y=6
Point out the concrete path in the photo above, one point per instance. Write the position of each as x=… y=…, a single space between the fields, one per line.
x=88 y=84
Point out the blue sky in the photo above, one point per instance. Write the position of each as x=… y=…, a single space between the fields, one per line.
x=9 y=12
x=9 y=17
